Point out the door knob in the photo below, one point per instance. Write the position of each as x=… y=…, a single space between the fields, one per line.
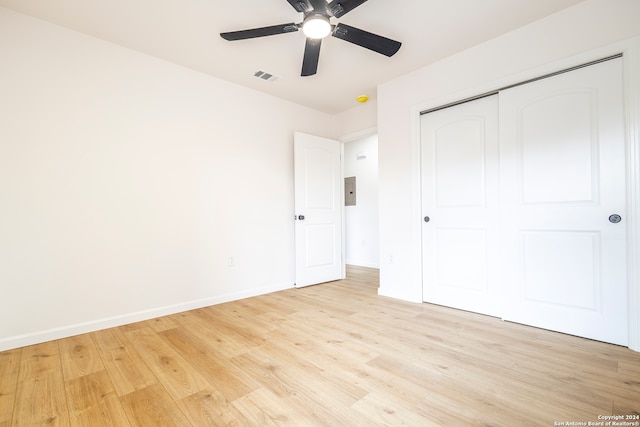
x=615 y=218
x=301 y=217
x=427 y=219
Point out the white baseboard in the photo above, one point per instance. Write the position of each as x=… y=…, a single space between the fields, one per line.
x=18 y=341
x=361 y=263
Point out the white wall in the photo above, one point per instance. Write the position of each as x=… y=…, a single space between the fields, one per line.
x=126 y=183
x=361 y=220
x=359 y=120
x=509 y=58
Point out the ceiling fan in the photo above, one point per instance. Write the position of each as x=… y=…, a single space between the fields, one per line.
x=316 y=25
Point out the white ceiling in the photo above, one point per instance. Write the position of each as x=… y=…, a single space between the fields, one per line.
x=186 y=32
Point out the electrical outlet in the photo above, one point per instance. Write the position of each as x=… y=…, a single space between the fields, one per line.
x=231 y=262
x=390 y=259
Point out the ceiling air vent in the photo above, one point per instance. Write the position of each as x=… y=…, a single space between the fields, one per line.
x=265 y=76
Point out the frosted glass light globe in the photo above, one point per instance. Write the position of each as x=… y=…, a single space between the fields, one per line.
x=316 y=27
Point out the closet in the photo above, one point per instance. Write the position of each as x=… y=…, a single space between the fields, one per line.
x=524 y=201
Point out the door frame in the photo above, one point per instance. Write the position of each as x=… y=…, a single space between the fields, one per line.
x=350 y=137
x=353 y=136
x=630 y=50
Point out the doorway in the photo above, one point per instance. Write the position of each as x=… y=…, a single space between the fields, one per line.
x=360 y=163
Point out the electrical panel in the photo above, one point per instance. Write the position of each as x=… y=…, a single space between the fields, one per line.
x=350 y=191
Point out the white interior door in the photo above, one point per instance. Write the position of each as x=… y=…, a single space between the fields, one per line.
x=318 y=209
x=461 y=202
x=562 y=177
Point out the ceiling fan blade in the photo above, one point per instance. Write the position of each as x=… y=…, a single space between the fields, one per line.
x=260 y=32
x=311 y=57
x=366 y=39
x=339 y=8
x=319 y=6
x=301 y=6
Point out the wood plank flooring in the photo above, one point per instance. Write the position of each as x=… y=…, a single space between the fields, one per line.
x=335 y=354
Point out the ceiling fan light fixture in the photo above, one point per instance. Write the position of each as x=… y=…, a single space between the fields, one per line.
x=316 y=27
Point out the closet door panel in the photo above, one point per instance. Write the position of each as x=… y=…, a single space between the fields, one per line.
x=460 y=201
x=562 y=176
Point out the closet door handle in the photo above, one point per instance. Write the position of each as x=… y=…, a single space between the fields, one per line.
x=615 y=218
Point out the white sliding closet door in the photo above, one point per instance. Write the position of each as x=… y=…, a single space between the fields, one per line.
x=562 y=183
x=525 y=194
x=460 y=200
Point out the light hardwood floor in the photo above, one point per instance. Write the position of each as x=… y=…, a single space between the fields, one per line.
x=329 y=355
